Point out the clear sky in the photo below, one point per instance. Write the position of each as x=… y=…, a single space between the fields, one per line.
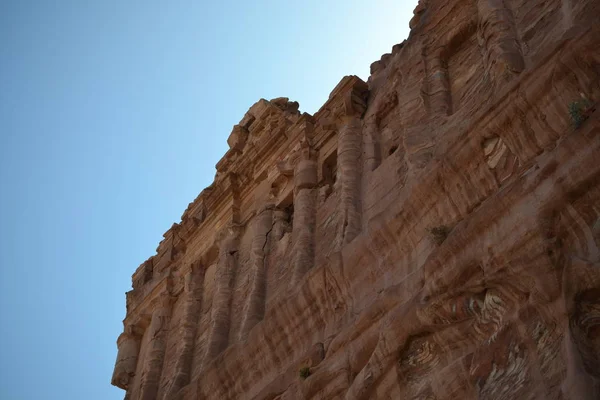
x=113 y=114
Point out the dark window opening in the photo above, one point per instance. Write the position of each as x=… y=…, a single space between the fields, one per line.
x=289 y=210
x=284 y=217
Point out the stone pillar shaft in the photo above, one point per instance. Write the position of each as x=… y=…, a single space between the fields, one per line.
x=192 y=297
x=349 y=160
x=218 y=339
x=155 y=353
x=128 y=351
x=254 y=313
x=305 y=216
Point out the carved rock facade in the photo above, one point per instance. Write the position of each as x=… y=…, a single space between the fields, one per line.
x=433 y=233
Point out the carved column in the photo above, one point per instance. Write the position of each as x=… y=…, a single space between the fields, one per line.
x=218 y=339
x=350 y=166
x=346 y=106
x=128 y=345
x=497 y=26
x=305 y=214
x=155 y=353
x=192 y=297
x=255 y=309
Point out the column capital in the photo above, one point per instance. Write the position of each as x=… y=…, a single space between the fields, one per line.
x=191 y=273
x=124 y=337
x=130 y=331
x=347 y=101
x=227 y=238
x=163 y=300
x=306 y=175
x=307 y=150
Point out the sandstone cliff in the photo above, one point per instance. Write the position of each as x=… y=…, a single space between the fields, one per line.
x=433 y=233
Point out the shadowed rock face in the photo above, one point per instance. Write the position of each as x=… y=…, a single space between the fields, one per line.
x=433 y=233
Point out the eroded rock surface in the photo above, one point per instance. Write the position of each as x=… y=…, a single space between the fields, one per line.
x=433 y=233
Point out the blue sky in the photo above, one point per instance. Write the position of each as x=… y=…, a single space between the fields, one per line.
x=112 y=117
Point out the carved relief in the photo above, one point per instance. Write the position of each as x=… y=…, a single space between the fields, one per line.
x=317 y=235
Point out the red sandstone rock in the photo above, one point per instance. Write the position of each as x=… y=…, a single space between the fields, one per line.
x=433 y=234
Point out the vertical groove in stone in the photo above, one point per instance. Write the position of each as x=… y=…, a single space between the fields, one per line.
x=437 y=89
x=193 y=293
x=255 y=308
x=305 y=218
x=155 y=356
x=372 y=146
x=350 y=166
x=497 y=26
x=218 y=338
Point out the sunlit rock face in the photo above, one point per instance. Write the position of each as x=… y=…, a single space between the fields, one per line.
x=433 y=233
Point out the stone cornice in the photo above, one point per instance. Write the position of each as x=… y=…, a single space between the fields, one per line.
x=139 y=312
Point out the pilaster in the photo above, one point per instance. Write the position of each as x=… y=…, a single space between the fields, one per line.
x=155 y=352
